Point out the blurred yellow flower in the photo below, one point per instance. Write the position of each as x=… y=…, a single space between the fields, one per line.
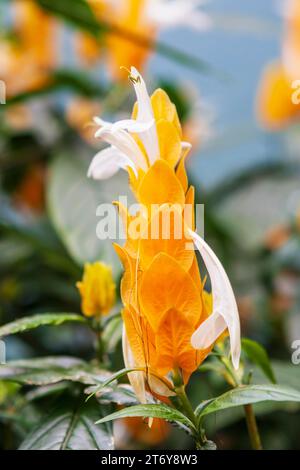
x=97 y=289
x=276 y=108
x=170 y=323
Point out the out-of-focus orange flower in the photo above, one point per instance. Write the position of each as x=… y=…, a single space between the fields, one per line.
x=170 y=324
x=30 y=194
x=129 y=16
x=137 y=429
x=277 y=237
x=133 y=26
x=277 y=104
x=79 y=115
x=25 y=61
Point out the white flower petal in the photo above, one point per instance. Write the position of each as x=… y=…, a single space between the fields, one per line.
x=209 y=331
x=107 y=162
x=224 y=305
x=145 y=114
x=100 y=122
x=186 y=145
x=131 y=125
x=136 y=379
x=124 y=142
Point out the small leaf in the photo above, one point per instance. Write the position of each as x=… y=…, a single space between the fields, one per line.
x=71 y=428
x=112 y=378
x=121 y=394
x=29 y=323
x=245 y=395
x=258 y=355
x=150 y=411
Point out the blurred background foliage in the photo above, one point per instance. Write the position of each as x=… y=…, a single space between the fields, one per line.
x=61 y=68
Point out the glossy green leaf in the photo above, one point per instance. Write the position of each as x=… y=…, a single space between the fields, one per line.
x=258 y=355
x=76 y=12
x=51 y=370
x=73 y=200
x=150 y=411
x=29 y=323
x=71 y=428
x=248 y=394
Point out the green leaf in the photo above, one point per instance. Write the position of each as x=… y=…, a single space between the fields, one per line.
x=73 y=200
x=286 y=373
x=150 y=411
x=112 y=333
x=122 y=394
x=248 y=394
x=110 y=379
x=29 y=323
x=51 y=370
x=62 y=79
x=71 y=428
x=258 y=355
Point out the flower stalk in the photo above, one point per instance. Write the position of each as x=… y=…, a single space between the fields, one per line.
x=235 y=382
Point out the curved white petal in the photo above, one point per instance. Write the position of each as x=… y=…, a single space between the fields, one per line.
x=225 y=312
x=107 y=162
x=100 y=122
x=124 y=142
x=136 y=379
x=145 y=114
x=131 y=125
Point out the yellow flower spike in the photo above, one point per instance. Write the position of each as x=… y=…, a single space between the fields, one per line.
x=275 y=108
x=97 y=289
x=162 y=292
x=277 y=100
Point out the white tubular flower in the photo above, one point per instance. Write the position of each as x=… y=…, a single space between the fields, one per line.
x=225 y=312
x=172 y=13
x=144 y=115
x=107 y=163
x=124 y=151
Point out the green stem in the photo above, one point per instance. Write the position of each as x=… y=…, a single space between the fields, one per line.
x=199 y=436
x=252 y=428
x=249 y=412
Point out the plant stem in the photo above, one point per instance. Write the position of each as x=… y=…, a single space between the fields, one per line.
x=188 y=409
x=249 y=412
x=252 y=428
